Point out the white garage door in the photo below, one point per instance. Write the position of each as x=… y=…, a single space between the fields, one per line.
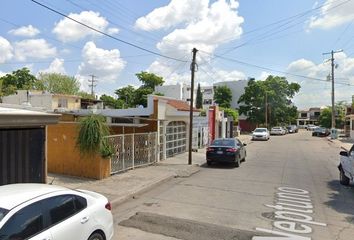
x=176 y=138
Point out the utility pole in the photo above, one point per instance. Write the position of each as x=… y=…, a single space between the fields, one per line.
x=193 y=64
x=266 y=110
x=92 y=84
x=333 y=125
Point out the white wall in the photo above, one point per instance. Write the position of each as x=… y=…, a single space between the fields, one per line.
x=35 y=99
x=173 y=91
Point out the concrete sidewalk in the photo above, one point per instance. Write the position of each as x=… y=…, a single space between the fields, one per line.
x=124 y=186
x=342 y=142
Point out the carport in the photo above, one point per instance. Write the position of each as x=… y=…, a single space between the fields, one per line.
x=23 y=145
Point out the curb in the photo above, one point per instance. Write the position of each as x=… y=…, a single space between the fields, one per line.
x=118 y=201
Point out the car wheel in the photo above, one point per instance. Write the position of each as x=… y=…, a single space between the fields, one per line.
x=344 y=180
x=237 y=162
x=96 y=236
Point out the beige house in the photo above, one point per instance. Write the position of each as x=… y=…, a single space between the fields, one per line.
x=47 y=101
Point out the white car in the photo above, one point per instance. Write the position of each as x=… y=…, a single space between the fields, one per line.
x=260 y=134
x=277 y=131
x=41 y=211
x=311 y=127
x=346 y=166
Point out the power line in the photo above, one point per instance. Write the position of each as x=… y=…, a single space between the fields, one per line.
x=274 y=70
x=280 y=28
x=105 y=34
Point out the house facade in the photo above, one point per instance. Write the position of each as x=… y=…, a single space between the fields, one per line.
x=44 y=100
x=23 y=145
x=310 y=116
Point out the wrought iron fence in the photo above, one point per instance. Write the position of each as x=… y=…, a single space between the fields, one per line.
x=133 y=150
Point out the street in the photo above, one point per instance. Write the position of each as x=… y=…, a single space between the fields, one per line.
x=295 y=173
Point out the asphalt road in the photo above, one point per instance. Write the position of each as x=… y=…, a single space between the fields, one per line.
x=295 y=175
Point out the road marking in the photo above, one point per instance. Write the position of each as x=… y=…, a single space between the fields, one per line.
x=293 y=206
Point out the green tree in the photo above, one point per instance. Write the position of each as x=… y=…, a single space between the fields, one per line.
x=85 y=95
x=149 y=80
x=223 y=96
x=231 y=112
x=126 y=94
x=140 y=96
x=111 y=102
x=20 y=79
x=199 y=98
x=325 y=119
x=59 y=83
x=278 y=92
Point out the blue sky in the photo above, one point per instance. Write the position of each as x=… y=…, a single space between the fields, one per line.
x=43 y=41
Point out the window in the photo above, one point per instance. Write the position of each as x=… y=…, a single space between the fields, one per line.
x=352 y=125
x=63 y=103
x=303 y=115
x=80 y=203
x=24 y=224
x=317 y=114
x=3 y=212
x=208 y=101
x=61 y=208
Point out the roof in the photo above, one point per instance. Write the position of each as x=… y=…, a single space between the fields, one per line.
x=15 y=194
x=179 y=105
x=13 y=117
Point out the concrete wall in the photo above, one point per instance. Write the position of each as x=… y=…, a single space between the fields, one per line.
x=65 y=158
x=173 y=91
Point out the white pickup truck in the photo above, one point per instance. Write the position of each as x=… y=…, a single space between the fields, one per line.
x=346 y=166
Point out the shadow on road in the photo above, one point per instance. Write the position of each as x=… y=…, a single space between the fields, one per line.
x=220 y=166
x=342 y=199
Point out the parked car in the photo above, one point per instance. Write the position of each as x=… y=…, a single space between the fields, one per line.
x=230 y=150
x=311 y=127
x=260 y=134
x=277 y=131
x=41 y=211
x=292 y=129
x=346 y=166
x=320 y=132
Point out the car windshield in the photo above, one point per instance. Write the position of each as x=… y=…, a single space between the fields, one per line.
x=260 y=130
x=223 y=142
x=3 y=212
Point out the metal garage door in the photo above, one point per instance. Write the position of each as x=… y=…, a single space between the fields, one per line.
x=22 y=157
x=176 y=138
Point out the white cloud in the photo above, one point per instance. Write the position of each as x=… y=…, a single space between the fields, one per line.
x=5 y=50
x=67 y=30
x=333 y=13
x=57 y=66
x=317 y=93
x=2 y=73
x=33 y=48
x=25 y=31
x=263 y=76
x=204 y=75
x=177 y=11
x=106 y=64
x=112 y=31
x=226 y=26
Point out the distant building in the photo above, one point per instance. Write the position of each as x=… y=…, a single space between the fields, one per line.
x=51 y=102
x=310 y=116
x=183 y=92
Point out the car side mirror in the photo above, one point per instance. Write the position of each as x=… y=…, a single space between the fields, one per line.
x=344 y=153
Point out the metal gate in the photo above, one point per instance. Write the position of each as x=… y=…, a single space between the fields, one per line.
x=176 y=138
x=22 y=156
x=133 y=150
